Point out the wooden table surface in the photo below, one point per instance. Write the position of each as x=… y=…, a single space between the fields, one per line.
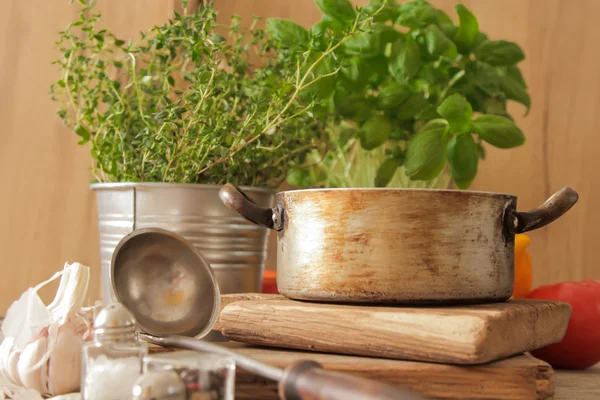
x=578 y=385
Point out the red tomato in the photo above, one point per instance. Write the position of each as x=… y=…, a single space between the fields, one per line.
x=270 y=282
x=580 y=348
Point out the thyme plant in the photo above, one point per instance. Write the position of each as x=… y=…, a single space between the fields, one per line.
x=184 y=104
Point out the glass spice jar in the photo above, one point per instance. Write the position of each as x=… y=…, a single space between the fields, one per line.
x=206 y=376
x=112 y=361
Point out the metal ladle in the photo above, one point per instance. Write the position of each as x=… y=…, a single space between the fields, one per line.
x=172 y=292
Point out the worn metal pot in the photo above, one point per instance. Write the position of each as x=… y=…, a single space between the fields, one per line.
x=235 y=249
x=396 y=245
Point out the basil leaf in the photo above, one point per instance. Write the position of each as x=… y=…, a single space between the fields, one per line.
x=493 y=105
x=411 y=107
x=326 y=23
x=356 y=75
x=364 y=44
x=468 y=28
x=486 y=77
x=338 y=9
x=514 y=72
x=324 y=86
x=498 y=131
x=416 y=14
x=352 y=106
x=393 y=95
x=499 y=52
x=463 y=157
x=405 y=60
x=387 y=34
x=426 y=152
x=427 y=113
x=388 y=13
x=438 y=44
x=374 y=132
x=386 y=172
x=515 y=91
x=378 y=67
x=457 y=111
x=287 y=32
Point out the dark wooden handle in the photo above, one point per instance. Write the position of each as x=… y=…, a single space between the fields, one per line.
x=552 y=209
x=234 y=198
x=307 y=380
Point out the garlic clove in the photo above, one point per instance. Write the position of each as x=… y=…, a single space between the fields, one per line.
x=32 y=353
x=13 y=367
x=64 y=368
x=5 y=349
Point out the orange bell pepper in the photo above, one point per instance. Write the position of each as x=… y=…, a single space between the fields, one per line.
x=523 y=269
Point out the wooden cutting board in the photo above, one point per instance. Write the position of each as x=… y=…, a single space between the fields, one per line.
x=473 y=334
x=522 y=377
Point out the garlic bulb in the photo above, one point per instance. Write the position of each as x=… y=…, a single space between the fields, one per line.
x=41 y=350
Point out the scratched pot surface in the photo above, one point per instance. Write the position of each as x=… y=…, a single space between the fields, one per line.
x=472 y=334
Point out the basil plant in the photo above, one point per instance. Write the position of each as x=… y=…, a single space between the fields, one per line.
x=416 y=95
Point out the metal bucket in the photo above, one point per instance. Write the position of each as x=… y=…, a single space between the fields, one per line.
x=236 y=249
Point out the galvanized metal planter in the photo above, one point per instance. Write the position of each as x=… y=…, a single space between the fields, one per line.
x=235 y=248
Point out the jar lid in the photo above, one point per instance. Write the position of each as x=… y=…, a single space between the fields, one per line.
x=114 y=319
x=166 y=283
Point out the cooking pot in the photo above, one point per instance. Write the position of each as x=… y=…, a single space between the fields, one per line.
x=381 y=245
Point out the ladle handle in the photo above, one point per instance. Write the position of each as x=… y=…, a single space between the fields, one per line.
x=307 y=380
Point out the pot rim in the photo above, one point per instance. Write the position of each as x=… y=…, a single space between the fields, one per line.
x=377 y=189
x=198 y=186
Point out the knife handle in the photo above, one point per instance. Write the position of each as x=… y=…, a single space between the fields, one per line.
x=307 y=380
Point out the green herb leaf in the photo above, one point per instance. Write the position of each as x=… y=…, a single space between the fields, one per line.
x=82 y=132
x=515 y=91
x=287 y=32
x=438 y=44
x=457 y=111
x=468 y=28
x=387 y=34
x=411 y=107
x=325 y=23
x=417 y=14
x=426 y=152
x=388 y=13
x=352 y=106
x=498 y=131
x=463 y=157
x=499 y=52
x=427 y=113
x=365 y=44
x=405 y=60
x=514 y=72
x=61 y=83
x=386 y=172
x=374 y=132
x=393 y=95
x=338 y=9
x=355 y=75
x=324 y=83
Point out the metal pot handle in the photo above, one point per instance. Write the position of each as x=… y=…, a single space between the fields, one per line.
x=558 y=204
x=234 y=198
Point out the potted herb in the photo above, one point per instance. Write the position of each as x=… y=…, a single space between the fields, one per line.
x=174 y=115
x=417 y=100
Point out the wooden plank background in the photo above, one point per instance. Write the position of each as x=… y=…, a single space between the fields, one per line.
x=47 y=212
